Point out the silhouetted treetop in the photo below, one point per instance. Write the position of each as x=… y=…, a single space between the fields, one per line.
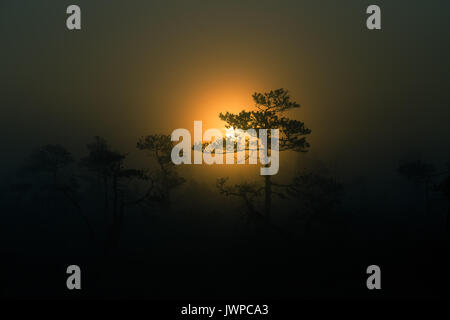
x=269 y=115
x=318 y=192
x=416 y=171
x=49 y=158
x=276 y=100
x=159 y=145
x=101 y=157
x=244 y=189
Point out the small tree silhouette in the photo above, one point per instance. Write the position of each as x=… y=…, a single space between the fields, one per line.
x=109 y=166
x=318 y=195
x=159 y=147
x=420 y=173
x=247 y=192
x=104 y=163
x=444 y=188
x=51 y=160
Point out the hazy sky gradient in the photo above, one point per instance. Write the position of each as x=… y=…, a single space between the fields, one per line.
x=139 y=67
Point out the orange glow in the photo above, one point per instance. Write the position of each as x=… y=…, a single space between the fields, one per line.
x=208 y=106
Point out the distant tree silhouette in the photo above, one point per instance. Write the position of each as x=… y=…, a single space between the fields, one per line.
x=108 y=166
x=318 y=195
x=51 y=160
x=268 y=113
x=444 y=188
x=247 y=192
x=420 y=173
x=159 y=148
x=103 y=162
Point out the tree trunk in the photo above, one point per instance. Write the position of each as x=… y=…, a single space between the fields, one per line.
x=77 y=206
x=114 y=228
x=166 y=192
x=447 y=224
x=115 y=197
x=81 y=214
x=105 y=190
x=165 y=182
x=268 y=196
x=427 y=198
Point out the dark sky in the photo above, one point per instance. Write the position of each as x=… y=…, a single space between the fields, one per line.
x=139 y=67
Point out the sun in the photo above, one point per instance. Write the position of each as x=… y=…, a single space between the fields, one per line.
x=230 y=132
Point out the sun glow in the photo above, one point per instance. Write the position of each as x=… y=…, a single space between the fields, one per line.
x=230 y=132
